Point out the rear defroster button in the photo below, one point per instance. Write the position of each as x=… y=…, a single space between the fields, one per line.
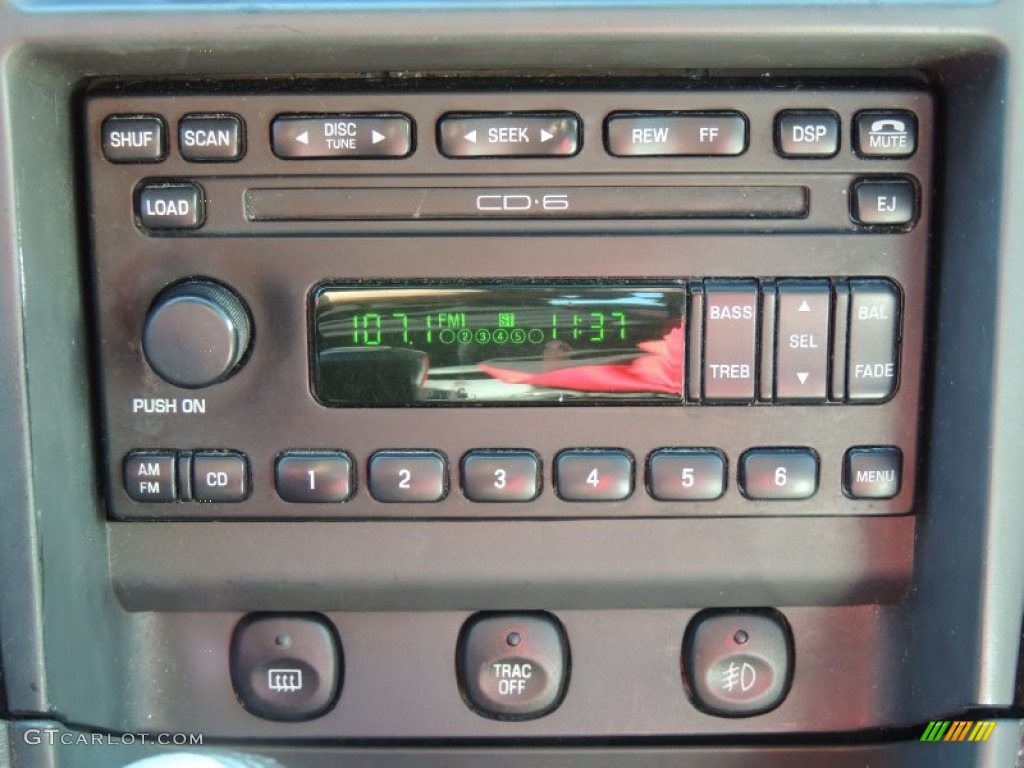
x=513 y=666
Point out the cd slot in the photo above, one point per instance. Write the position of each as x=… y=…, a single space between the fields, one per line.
x=573 y=202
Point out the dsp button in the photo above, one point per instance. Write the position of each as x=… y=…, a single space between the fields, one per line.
x=408 y=476
x=737 y=663
x=208 y=138
x=513 y=666
x=730 y=341
x=874 y=337
x=170 y=206
x=219 y=477
x=133 y=139
x=806 y=133
x=149 y=476
x=341 y=136
x=286 y=667
x=519 y=134
x=666 y=134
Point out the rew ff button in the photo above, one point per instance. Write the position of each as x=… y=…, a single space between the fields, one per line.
x=668 y=134
x=513 y=666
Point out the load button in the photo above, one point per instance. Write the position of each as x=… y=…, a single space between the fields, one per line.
x=170 y=206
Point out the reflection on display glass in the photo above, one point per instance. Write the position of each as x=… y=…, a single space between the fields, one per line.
x=499 y=344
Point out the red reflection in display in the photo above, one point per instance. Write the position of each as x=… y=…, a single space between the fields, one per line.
x=659 y=369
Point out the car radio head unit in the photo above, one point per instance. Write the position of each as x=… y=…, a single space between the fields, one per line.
x=458 y=303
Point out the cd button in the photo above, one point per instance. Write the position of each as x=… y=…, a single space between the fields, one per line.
x=313 y=478
x=408 y=476
x=525 y=134
x=220 y=477
x=342 y=136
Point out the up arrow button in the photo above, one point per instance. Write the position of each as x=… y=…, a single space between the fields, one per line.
x=519 y=134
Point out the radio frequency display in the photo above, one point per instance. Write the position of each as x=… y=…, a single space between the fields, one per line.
x=499 y=344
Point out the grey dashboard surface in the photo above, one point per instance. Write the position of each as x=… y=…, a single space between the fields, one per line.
x=100 y=620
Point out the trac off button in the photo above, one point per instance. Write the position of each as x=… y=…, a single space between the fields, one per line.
x=513 y=666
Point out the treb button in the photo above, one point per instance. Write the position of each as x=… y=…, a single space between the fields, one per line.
x=517 y=134
x=341 y=136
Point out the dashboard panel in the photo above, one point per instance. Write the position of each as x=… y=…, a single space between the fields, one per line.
x=383 y=388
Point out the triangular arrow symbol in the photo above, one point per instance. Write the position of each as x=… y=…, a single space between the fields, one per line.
x=544 y=135
x=376 y=137
x=303 y=138
x=803 y=376
x=471 y=137
x=803 y=307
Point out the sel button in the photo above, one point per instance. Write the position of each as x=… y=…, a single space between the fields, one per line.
x=513 y=666
x=801 y=368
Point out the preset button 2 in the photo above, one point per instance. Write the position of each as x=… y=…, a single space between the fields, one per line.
x=408 y=476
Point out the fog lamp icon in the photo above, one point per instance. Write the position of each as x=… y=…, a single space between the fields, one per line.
x=284 y=680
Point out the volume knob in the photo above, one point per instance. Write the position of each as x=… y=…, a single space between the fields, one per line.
x=196 y=334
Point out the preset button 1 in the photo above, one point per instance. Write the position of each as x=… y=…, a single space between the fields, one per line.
x=314 y=477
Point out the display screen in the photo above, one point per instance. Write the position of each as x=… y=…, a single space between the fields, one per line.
x=497 y=343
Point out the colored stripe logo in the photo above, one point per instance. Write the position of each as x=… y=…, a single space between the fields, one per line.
x=958 y=730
